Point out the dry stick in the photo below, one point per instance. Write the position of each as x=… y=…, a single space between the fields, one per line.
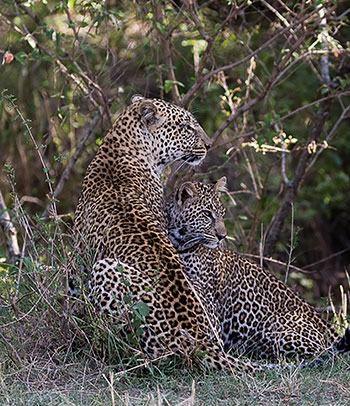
x=331 y=96
x=291 y=245
x=174 y=91
x=284 y=264
x=42 y=160
x=9 y=230
x=41 y=295
x=88 y=131
x=321 y=14
x=266 y=89
x=4 y=339
x=248 y=105
x=283 y=159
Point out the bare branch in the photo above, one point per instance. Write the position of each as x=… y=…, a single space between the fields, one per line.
x=248 y=105
x=165 y=41
x=276 y=261
x=331 y=96
x=283 y=160
x=193 y=11
x=324 y=40
x=327 y=258
x=88 y=131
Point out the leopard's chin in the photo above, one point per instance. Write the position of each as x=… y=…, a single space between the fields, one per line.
x=211 y=244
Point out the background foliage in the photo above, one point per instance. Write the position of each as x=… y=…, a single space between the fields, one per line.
x=269 y=82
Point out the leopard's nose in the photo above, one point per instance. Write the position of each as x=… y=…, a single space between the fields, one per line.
x=221 y=236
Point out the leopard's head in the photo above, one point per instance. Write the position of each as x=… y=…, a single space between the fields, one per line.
x=196 y=215
x=172 y=132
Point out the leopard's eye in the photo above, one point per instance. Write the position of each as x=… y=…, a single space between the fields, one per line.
x=187 y=126
x=209 y=214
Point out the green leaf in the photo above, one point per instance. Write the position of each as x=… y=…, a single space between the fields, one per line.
x=118 y=13
x=35 y=54
x=161 y=27
x=142 y=308
x=20 y=57
x=48 y=58
x=127 y=298
x=49 y=33
x=168 y=84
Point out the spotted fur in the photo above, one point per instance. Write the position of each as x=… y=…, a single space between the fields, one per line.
x=120 y=218
x=258 y=313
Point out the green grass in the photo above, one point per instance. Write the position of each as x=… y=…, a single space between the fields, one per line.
x=48 y=382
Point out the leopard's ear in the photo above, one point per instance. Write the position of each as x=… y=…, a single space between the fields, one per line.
x=149 y=113
x=186 y=192
x=221 y=185
x=136 y=97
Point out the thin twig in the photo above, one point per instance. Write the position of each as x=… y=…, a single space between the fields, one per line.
x=291 y=244
x=65 y=175
x=276 y=261
x=318 y=101
x=283 y=159
x=327 y=258
x=232 y=65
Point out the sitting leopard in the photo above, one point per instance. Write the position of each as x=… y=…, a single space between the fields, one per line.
x=121 y=218
x=258 y=313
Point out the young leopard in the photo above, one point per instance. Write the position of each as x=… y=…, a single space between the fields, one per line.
x=258 y=313
x=121 y=218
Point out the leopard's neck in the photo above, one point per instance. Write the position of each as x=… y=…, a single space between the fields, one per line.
x=129 y=171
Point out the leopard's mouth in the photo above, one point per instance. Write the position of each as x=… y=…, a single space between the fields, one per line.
x=211 y=241
x=194 y=158
x=211 y=244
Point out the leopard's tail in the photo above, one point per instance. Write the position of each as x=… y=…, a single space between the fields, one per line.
x=343 y=345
